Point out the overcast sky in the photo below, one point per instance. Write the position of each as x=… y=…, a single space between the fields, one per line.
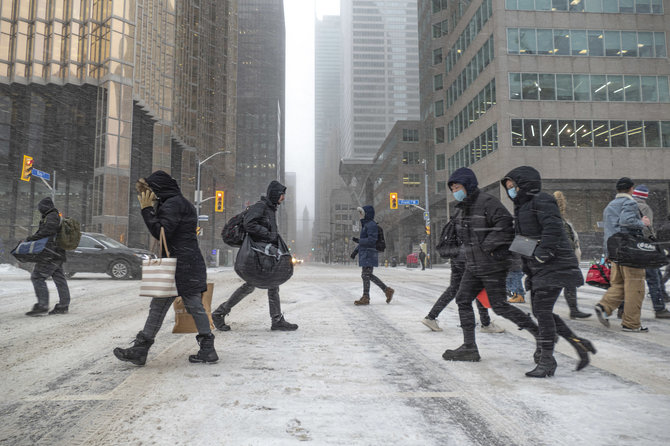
x=300 y=16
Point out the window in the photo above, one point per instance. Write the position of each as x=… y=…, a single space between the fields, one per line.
x=545 y=41
x=441 y=186
x=513 y=40
x=437 y=56
x=649 y=90
x=579 y=42
x=631 y=88
x=566 y=133
x=663 y=93
x=527 y=43
x=437 y=82
x=410 y=158
x=531 y=132
x=515 y=85
x=410 y=135
x=598 y=87
x=529 y=85
x=564 y=87
x=549 y=133
x=629 y=43
x=615 y=88
x=584 y=134
x=612 y=43
x=439 y=108
x=411 y=179
x=562 y=42
x=659 y=45
x=635 y=134
x=581 y=87
x=645 y=43
x=601 y=133
x=517 y=132
x=440 y=161
x=439 y=135
x=618 y=133
x=595 y=42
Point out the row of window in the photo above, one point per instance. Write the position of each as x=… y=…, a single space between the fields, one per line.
x=410 y=135
x=471 y=71
x=582 y=42
x=484 y=100
x=411 y=179
x=590 y=133
x=613 y=6
x=475 y=150
x=585 y=87
x=473 y=28
x=411 y=158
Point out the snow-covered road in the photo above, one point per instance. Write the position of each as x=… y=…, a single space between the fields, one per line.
x=349 y=376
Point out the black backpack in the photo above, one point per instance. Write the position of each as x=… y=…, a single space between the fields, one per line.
x=381 y=242
x=233 y=232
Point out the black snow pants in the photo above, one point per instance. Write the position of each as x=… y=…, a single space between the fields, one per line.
x=457 y=270
x=549 y=323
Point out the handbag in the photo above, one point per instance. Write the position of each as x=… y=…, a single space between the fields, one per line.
x=449 y=245
x=635 y=251
x=30 y=251
x=183 y=321
x=158 y=274
x=524 y=245
x=599 y=275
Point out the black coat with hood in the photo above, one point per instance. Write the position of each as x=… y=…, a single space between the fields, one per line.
x=260 y=221
x=177 y=216
x=554 y=264
x=484 y=225
x=49 y=227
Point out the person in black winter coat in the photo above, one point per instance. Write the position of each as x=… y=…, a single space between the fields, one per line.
x=663 y=236
x=50 y=263
x=260 y=222
x=485 y=227
x=552 y=266
x=164 y=207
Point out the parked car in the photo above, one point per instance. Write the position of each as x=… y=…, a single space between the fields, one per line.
x=98 y=253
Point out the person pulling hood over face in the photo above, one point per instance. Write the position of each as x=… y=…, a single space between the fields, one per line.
x=45 y=205
x=163 y=185
x=368 y=213
x=528 y=181
x=466 y=177
x=275 y=191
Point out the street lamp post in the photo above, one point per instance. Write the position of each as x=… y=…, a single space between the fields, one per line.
x=198 y=193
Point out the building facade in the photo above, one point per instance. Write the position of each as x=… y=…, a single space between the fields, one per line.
x=101 y=93
x=577 y=89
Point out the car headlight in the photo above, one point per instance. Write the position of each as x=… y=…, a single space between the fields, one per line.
x=143 y=256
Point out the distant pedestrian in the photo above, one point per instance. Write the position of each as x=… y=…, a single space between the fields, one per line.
x=164 y=207
x=627 y=283
x=551 y=267
x=50 y=263
x=367 y=255
x=260 y=223
x=570 y=293
x=422 y=259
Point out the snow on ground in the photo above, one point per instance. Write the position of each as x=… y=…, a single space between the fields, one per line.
x=349 y=376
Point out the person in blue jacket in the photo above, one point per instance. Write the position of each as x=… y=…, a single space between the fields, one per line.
x=367 y=255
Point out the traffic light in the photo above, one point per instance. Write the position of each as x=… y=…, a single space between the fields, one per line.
x=218 y=202
x=427 y=229
x=393 y=197
x=27 y=168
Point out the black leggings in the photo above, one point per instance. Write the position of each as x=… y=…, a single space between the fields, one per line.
x=549 y=323
x=367 y=276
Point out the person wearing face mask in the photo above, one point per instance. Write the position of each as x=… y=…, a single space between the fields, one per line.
x=486 y=230
x=551 y=267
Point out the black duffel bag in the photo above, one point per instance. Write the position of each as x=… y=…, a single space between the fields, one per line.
x=32 y=251
x=635 y=251
x=264 y=265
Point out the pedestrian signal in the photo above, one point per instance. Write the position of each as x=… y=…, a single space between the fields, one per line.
x=218 y=201
x=27 y=168
x=393 y=198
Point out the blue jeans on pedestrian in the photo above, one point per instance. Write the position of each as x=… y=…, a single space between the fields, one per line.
x=653 y=276
x=514 y=283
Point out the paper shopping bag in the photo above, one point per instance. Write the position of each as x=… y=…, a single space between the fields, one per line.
x=183 y=322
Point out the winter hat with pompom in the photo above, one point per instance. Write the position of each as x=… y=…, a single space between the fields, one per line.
x=641 y=191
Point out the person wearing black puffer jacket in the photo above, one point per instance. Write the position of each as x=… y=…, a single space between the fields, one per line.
x=552 y=266
x=50 y=263
x=164 y=206
x=260 y=222
x=486 y=230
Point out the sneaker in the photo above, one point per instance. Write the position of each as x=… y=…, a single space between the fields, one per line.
x=663 y=314
x=602 y=315
x=59 y=309
x=639 y=329
x=491 y=328
x=431 y=323
x=38 y=310
x=389 y=294
x=517 y=299
x=283 y=325
x=463 y=353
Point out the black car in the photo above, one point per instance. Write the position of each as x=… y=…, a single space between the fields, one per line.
x=98 y=253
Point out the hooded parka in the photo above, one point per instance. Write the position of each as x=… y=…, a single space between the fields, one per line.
x=177 y=216
x=260 y=221
x=48 y=227
x=367 y=240
x=484 y=225
x=554 y=264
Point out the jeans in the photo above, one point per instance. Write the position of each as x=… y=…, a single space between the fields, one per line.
x=159 y=307
x=367 y=276
x=44 y=270
x=246 y=289
x=549 y=324
x=457 y=270
x=653 y=277
x=514 y=283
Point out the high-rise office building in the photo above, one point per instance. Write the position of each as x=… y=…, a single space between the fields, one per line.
x=100 y=93
x=380 y=72
x=577 y=89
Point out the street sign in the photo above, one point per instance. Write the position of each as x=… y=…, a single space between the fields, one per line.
x=426 y=216
x=203 y=218
x=415 y=202
x=40 y=174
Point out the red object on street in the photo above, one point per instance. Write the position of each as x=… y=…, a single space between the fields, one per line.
x=412 y=259
x=483 y=298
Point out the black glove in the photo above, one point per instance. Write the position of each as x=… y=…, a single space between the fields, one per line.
x=542 y=255
x=354 y=239
x=353 y=254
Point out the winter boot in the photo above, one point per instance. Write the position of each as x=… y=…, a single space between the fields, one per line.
x=602 y=315
x=517 y=299
x=137 y=354
x=38 y=310
x=546 y=366
x=389 y=294
x=282 y=324
x=571 y=299
x=663 y=314
x=466 y=352
x=219 y=319
x=431 y=323
x=206 y=352
x=364 y=300
x=583 y=347
x=59 y=309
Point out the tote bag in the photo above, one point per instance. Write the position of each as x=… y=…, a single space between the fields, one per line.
x=158 y=274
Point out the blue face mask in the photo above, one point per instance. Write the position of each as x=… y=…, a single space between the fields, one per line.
x=512 y=192
x=460 y=195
